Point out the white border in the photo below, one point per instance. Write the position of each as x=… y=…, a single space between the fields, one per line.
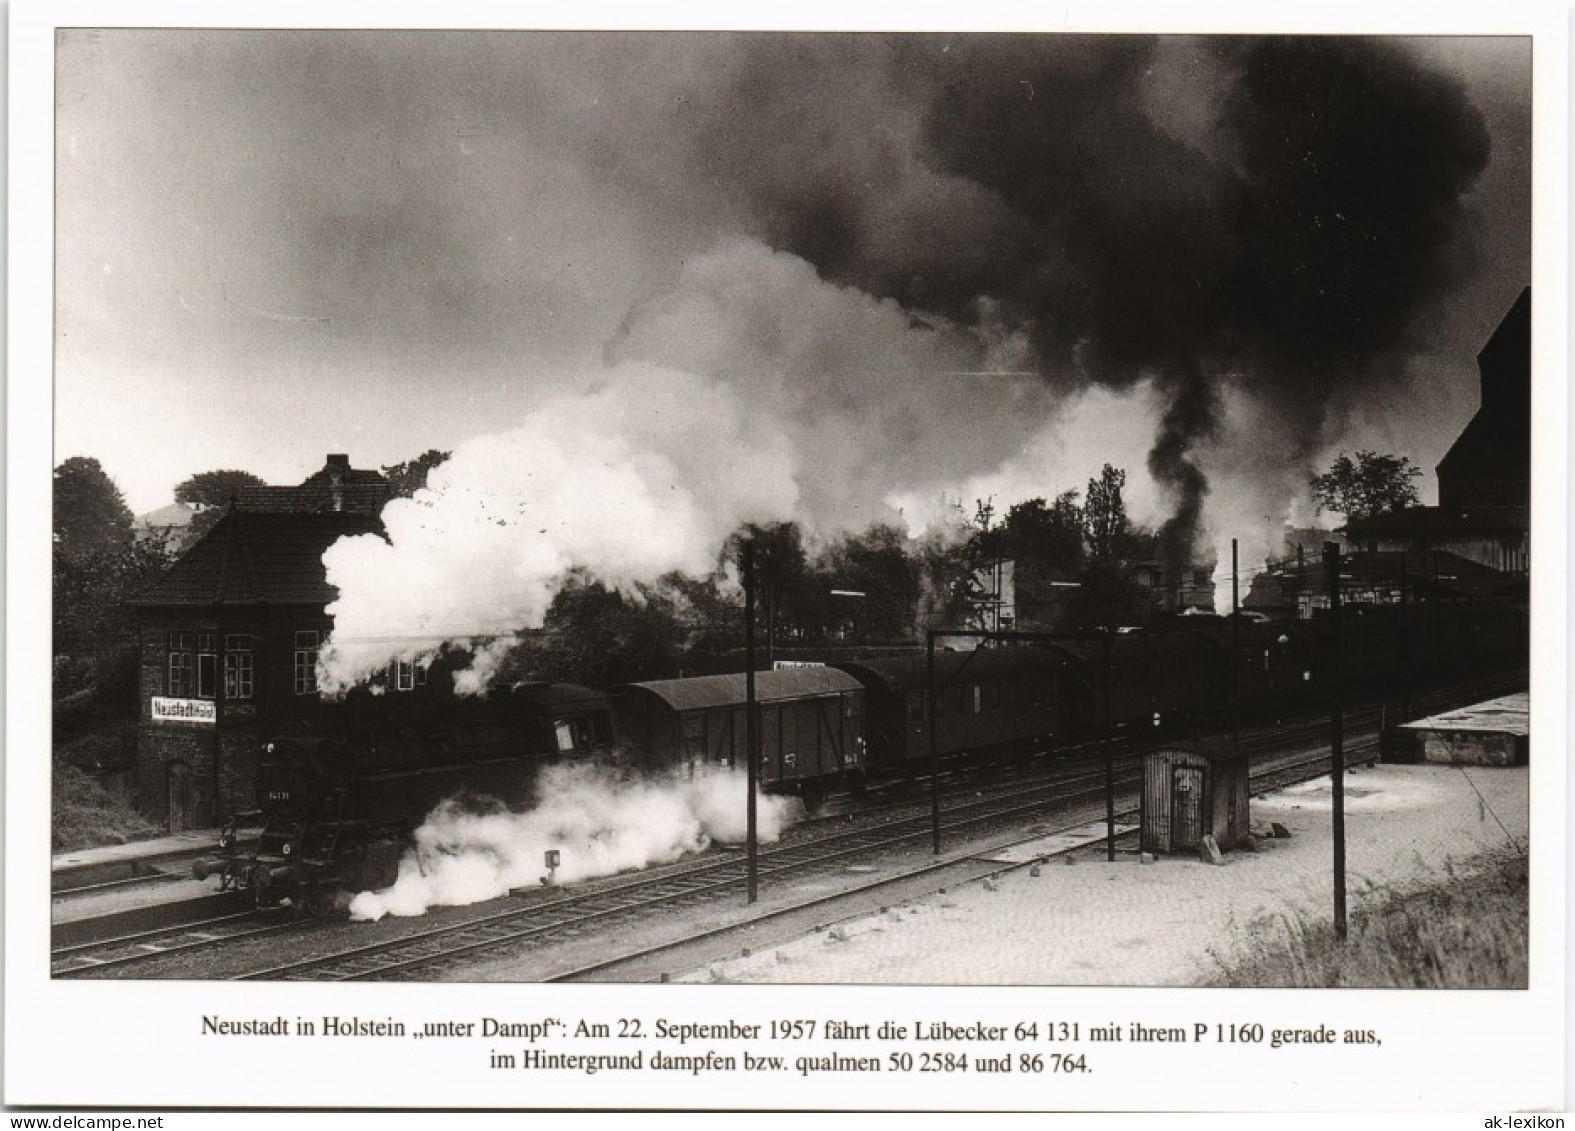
x=125 y=1044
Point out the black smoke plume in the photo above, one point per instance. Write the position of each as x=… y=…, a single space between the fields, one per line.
x=1271 y=210
x=1191 y=415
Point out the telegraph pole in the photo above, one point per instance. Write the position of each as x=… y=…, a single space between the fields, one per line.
x=1235 y=647
x=751 y=726
x=1405 y=643
x=1331 y=561
x=931 y=697
x=1110 y=757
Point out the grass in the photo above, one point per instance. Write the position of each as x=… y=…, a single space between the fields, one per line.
x=86 y=815
x=1469 y=934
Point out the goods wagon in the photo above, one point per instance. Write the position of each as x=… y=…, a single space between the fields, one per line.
x=811 y=726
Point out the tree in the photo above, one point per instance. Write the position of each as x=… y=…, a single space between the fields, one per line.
x=1046 y=536
x=1044 y=541
x=876 y=563
x=598 y=636
x=784 y=588
x=1370 y=485
x=89 y=589
x=97 y=565
x=90 y=514
x=214 y=488
x=405 y=479
x=1105 y=523
x=709 y=621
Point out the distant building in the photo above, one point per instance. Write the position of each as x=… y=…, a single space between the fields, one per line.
x=993 y=596
x=1484 y=480
x=166 y=526
x=1378 y=578
x=229 y=637
x=1192 y=587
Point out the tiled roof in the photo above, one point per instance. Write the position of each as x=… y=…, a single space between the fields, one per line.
x=700 y=692
x=356 y=498
x=257 y=558
x=337 y=487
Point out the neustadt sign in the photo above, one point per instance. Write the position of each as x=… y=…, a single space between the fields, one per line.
x=184 y=710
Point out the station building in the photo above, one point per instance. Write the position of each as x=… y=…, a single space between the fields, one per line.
x=229 y=637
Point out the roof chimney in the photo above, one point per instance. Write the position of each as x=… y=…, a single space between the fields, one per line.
x=338 y=468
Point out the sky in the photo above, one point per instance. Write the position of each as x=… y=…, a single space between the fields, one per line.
x=889 y=270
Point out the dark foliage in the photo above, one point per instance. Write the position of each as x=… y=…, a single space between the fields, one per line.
x=91 y=518
x=1370 y=485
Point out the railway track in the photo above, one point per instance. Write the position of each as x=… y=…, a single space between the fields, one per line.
x=1072 y=782
x=1078 y=788
x=119 y=953
x=970 y=869
x=704 y=881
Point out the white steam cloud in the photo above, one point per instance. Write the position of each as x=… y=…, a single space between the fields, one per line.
x=644 y=476
x=1087 y=430
x=601 y=824
x=752 y=391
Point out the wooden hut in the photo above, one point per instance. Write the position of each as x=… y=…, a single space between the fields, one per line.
x=1192 y=790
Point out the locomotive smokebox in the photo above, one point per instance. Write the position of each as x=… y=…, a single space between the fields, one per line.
x=1192 y=790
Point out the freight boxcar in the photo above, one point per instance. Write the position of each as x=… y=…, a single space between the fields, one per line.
x=811 y=726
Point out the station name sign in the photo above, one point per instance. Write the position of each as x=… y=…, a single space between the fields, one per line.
x=184 y=710
x=794 y=665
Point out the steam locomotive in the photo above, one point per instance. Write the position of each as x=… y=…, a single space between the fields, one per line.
x=338 y=795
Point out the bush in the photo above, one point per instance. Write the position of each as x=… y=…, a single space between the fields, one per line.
x=86 y=815
x=103 y=750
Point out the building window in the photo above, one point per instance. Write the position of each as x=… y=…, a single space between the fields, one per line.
x=180 y=675
x=404 y=675
x=207 y=665
x=306 y=646
x=239 y=667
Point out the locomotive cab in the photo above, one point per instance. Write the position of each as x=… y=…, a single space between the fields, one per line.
x=290 y=775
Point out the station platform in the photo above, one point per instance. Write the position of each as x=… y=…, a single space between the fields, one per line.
x=1494 y=733
x=111 y=862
